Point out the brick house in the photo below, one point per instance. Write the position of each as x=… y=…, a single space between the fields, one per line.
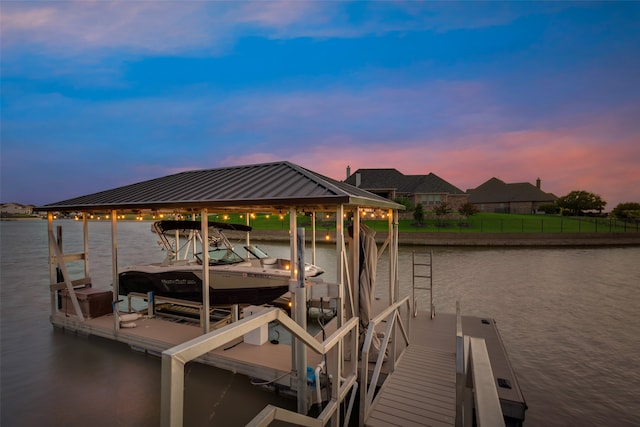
x=429 y=190
x=519 y=198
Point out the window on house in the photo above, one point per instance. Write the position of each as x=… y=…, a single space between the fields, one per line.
x=433 y=199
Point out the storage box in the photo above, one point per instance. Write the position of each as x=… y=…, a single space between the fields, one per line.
x=259 y=335
x=93 y=302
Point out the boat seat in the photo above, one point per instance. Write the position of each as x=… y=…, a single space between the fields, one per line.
x=268 y=262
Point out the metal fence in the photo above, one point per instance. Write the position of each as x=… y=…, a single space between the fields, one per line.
x=527 y=225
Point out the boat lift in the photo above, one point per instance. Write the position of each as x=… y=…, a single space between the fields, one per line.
x=304 y=191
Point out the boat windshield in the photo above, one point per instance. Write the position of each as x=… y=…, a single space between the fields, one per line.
x=221 y=256
x=256 y=252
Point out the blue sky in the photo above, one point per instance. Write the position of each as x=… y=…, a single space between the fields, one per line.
x=97 y=95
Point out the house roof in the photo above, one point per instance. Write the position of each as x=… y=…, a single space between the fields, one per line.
x=497 y=191
x=392 y=179
x=276 y=186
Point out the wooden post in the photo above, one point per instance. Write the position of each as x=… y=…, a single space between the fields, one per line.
x=313 y=237
x=392 y=261
x=85 y=233
x=355 y=263
x=301 y=319
x=292 y=278
x=52 y=269
x=340 y=261
x=59 y=259
x=114 y=270
x=204 y=230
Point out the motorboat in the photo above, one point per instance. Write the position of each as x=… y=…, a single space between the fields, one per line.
x=255 y=278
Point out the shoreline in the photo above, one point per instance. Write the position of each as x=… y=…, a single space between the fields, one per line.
x=481 y=239
x=469 y=239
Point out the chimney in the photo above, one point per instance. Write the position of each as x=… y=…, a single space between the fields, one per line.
x=538 y=183
x=358 y=179
x=348 y=171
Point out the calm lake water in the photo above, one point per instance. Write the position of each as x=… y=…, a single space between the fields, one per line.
x=568 y=316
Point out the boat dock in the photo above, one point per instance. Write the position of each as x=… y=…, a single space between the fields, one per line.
x=377 y=360
x=421 y=390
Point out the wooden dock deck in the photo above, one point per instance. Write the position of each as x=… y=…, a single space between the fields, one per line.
x=268 y=362
x=422 y=389
x=420 y=392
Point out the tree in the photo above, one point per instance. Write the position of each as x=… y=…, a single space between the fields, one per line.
x=468 y=209
x=579 y=201
x=407 y=202
x=627 y=211
x=418 y=214
x=550 y=208
x=442 y=209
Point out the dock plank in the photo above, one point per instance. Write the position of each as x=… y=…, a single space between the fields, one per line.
x=421 y=391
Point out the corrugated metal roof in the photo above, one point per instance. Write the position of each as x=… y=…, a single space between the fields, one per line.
x=277 y=185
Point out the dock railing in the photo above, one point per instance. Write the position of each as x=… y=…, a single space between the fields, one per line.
x=175 y=359
x=391 y=315
x=476 y=391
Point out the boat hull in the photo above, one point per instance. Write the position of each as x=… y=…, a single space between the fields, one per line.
x=225 y=288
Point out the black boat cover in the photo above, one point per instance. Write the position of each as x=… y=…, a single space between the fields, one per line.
x=169 y=225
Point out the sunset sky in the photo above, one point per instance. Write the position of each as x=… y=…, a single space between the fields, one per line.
x=96 y=95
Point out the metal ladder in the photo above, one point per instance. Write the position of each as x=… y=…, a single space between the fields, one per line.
x=421 y=274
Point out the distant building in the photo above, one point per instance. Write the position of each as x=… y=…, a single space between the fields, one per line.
x=16 y=209
x=429 y=190
x=518 y=198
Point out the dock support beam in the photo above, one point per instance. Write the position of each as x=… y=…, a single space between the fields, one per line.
x=204 y=231
x=300 y=306
x=114 y=269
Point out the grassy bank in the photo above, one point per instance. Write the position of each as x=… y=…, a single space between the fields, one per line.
x=480 y=223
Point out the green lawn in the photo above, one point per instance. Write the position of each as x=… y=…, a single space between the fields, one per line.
x=483 y=222
x=512 y=223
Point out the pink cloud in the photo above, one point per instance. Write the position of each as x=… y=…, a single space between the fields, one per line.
x=564 y=160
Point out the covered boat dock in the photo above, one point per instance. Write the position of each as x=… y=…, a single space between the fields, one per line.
x=363 y=345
